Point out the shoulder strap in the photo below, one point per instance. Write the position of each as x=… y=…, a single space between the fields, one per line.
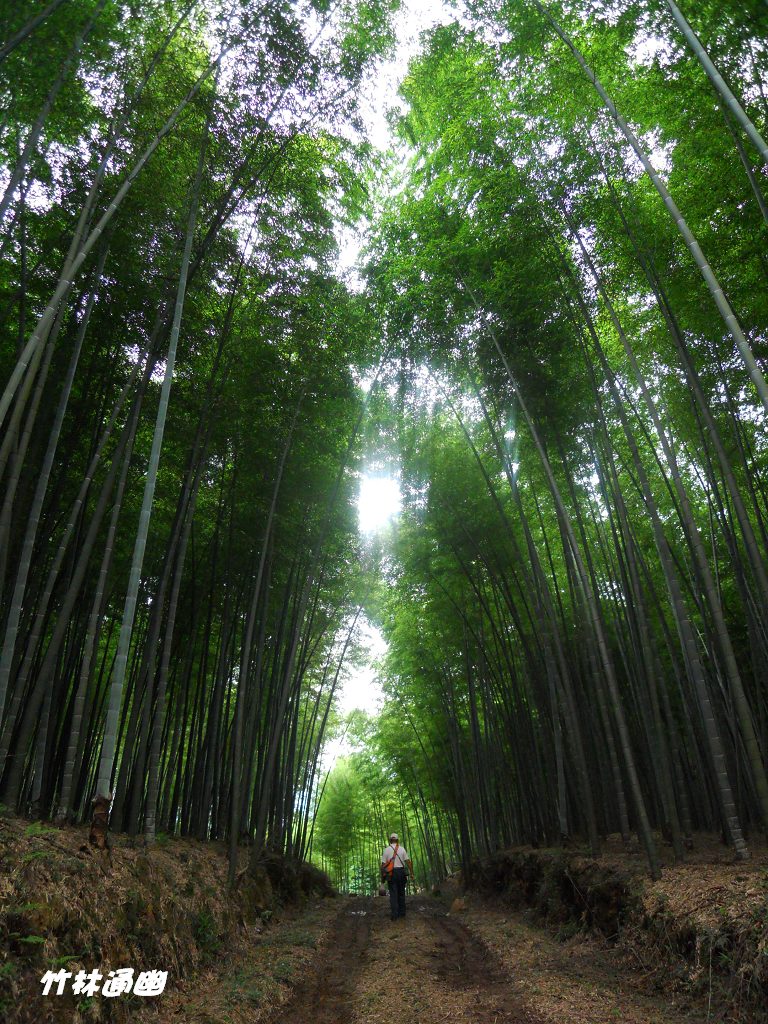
x=391 y=862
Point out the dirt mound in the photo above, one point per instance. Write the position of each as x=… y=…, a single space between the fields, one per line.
x=706 y=931
x=287 y=878
x=701 y=930
x=65 y=905
x=561 y=889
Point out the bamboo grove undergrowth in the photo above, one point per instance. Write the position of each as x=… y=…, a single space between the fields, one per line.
x=564 y=310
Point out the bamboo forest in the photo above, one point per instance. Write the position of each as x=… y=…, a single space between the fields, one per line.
x=502 y=266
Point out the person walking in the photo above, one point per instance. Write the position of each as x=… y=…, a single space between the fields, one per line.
x=395 y=866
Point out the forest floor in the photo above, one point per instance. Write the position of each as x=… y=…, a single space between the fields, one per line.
x=481 y=960
x=691 y=948
x=478 y=965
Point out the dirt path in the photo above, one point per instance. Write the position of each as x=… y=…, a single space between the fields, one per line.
x=344 y=962
x=584 y=980
x=475 y=968
x=463 y=967
x=427 y=968
x=325 y=995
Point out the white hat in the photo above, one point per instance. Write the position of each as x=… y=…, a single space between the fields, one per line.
x=394 y=836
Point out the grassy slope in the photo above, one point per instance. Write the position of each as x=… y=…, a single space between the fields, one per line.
x=63 y=904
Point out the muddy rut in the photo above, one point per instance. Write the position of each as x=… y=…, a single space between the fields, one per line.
x=326 y=993
x=428 y=968
x=465 y=964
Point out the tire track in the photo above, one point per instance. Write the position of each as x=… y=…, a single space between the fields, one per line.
x=463 y=963
x=325 y=995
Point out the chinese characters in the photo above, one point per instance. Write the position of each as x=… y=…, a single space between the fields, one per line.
x=117 y=983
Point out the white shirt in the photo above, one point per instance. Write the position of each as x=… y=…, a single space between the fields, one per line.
x=400 y=857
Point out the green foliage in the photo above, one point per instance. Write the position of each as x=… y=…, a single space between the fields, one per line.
x=264 y=405
x=205 y=931
x=37 y=829
x=34 y=855
x=66 y=958
x=574 y=599
x=558 y=357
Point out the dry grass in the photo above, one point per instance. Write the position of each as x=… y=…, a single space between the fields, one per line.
x=699 y=933
x=401 y=980
x=63 y=904
x=698 y=936
x=582 y=980
x=256 y=976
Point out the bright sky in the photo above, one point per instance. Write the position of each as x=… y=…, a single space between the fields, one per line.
x=379 y=502
x=415 y=17
x=360 y=690
x=380 y=95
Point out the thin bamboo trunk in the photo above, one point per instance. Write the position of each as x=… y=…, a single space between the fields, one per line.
x=26 y=30
x=109 y=748
x=715 y=289
x=717 y=80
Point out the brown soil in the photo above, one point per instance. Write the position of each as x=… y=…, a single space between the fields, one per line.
x=248 y=958
x=345 y=962
x=584 y=980
x=467 y=966
x=428 y=967
x=697 y=937
x=324 y=995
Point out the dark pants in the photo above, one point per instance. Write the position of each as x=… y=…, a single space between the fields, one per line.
x=397 y=893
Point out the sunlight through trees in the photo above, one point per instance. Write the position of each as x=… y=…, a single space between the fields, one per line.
x=526 y=439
